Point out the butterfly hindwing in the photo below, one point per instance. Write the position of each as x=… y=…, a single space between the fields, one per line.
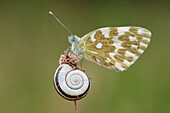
x=116 y=47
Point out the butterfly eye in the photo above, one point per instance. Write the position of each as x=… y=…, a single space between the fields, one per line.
x=71 y=39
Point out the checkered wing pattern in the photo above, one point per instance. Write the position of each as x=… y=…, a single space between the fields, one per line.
x=116 y=47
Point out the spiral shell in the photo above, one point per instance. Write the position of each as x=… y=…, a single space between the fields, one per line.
x=72 y=84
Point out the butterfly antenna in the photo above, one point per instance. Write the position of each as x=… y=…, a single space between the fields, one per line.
x=60 y=22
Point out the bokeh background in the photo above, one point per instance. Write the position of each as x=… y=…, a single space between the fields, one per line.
x=31 y=42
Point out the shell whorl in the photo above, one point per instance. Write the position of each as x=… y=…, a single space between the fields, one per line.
x=75 y=80
x=70 y=82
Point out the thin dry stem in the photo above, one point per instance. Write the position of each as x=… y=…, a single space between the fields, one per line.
x=75 y=104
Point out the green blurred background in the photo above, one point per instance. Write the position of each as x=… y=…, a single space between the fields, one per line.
x=31 y=42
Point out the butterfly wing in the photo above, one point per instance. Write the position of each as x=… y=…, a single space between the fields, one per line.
x=116 y=47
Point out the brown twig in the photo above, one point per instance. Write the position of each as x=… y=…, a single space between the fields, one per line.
x=75 y=104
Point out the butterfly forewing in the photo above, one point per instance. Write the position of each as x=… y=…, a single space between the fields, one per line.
x=116 y=47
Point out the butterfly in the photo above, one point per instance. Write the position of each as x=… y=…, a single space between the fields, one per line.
x=115 y=48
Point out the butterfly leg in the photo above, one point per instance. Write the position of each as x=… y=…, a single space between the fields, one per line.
x=68 y=49
x=81 y=63
x=80 y=56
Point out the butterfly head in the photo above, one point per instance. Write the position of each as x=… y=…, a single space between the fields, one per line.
x=73 y=38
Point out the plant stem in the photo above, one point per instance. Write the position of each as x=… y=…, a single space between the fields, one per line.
x=75 y=104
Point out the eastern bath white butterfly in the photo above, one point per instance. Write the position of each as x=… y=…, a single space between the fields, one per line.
x=115 y=48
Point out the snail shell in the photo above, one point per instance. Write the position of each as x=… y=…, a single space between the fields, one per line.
x=71 y=84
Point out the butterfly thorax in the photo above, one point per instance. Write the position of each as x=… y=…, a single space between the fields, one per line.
x=75 y=47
